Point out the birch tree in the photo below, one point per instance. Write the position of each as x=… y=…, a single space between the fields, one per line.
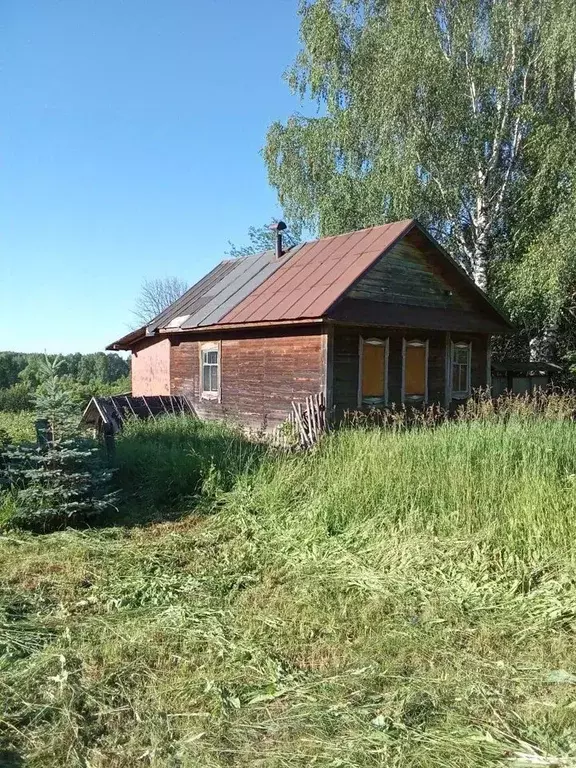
x=425 y=108
x=538 y=283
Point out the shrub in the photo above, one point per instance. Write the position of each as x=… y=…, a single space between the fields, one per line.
x=18 y=397
x=18 y=426
x=63 y=479
x=81 y=393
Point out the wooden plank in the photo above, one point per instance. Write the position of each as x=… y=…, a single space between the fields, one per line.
x=148 y=406
x=447 y=370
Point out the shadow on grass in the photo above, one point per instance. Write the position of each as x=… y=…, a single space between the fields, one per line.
x=167 y=467
x=10 y=759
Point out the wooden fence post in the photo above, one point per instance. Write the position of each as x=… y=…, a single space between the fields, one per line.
x=110 y=443
x=44 y=436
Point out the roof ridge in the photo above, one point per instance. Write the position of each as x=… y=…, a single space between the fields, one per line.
x=404 y=222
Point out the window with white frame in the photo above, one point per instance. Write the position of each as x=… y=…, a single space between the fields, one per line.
x=415 y=370
x=210 y=364
x=461 y=369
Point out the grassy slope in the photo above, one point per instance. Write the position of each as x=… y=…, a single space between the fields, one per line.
x=392 y=600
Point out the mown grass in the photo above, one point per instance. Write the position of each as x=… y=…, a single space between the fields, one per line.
x=395 y=598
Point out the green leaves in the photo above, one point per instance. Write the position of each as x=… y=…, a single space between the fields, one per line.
x=458 y=112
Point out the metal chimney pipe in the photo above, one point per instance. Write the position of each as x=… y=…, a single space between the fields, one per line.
x=278 y=227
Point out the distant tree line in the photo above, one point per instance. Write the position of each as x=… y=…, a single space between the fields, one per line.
x=84 y=375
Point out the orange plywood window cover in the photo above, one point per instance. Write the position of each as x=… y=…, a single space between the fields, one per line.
x=415 y=370
x=373 y=381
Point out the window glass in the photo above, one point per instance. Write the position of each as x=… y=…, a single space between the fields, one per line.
x=210 y=370
x=373 y=369
x=461 y=369
x=415 y=370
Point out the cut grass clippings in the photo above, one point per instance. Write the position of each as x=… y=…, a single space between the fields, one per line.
x=394 y=598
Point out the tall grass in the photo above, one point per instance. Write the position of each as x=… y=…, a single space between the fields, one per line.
x=513 y=483
x=394 y=598
x=164 y=465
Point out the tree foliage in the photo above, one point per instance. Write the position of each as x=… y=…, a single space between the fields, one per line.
x=63 y=480
x=155 y=296
x=27 y=367
x=263 y=239
x=83 y=375
x=538 y=282
x=439 y=109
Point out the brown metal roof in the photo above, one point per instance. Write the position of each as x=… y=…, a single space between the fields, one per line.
x=127 y=341
x=303 y=285
x=316 y=276
x=206 y=302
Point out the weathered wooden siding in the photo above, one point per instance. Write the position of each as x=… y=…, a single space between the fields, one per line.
x=406 y=276
x=260 y=375
x=151 y=368
x=346 y=363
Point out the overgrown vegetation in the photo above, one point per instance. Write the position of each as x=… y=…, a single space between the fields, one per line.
x=83 y=375
x=18 y=426
x=394 y=598
x=61 y=477
x=165 y=466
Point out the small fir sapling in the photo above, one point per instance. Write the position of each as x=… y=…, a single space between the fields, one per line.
x=62 y=479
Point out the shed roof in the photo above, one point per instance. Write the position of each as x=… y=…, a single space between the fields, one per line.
x=304 y=284
x=112 y=411
x=524 y=366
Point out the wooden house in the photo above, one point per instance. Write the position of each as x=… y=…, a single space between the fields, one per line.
x=369 y=318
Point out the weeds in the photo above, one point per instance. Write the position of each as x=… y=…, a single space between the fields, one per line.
x=393 y=598
x=165 y=465
x=18 y=426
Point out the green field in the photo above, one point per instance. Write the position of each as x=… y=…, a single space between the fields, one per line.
x=394 y=598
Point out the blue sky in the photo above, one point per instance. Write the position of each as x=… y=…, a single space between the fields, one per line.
x=130 y=134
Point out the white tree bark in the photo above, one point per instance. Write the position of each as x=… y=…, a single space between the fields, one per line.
x=543 y=347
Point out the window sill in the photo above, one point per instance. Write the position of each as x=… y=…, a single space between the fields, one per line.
x=460 y=395
x=376 y=402
x=209 y=396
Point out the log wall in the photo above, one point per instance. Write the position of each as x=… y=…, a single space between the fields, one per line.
x=260 y=375
x=345 y=375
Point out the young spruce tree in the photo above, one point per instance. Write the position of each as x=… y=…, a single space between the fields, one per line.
x=62 y=479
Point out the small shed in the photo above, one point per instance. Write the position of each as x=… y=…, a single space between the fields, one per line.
x=522 y=377
x=108 y=414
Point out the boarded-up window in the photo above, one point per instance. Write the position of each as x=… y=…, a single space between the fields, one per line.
x=373 y=372
x=415 y=359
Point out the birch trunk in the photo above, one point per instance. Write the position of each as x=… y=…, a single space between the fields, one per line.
x=543 y=348
x=480 y=255
x=480 y=269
